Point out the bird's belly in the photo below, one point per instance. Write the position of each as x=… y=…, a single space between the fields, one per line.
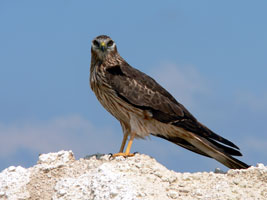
x=134 y=118
x=113 y=104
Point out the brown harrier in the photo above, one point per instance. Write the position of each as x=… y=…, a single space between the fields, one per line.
x=143 y=107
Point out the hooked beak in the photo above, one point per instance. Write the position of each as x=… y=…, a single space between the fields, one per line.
x=103 y=46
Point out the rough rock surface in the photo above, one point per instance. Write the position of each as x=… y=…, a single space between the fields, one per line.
x=60 y=176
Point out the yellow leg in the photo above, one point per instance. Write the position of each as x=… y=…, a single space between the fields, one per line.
x=125 y=136
x=128 y=148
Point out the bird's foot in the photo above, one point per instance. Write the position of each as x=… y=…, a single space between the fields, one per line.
x=122 y=154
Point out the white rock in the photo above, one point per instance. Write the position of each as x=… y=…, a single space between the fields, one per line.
x=59 y=176
x=13 y=183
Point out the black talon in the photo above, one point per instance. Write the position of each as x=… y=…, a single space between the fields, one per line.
x=111 y=156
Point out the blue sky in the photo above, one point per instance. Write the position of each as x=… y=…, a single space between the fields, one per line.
x=211 y=55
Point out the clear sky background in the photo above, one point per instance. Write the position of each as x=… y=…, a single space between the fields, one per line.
x=211 y=55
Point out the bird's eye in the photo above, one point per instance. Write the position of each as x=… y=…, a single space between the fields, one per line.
x=110 y=43
x=96 y=43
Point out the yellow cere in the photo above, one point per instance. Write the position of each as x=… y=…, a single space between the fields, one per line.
x=103 y=44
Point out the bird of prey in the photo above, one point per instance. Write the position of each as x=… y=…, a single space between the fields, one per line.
x=144 y=107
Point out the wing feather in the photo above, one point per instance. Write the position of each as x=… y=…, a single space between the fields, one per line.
x=144 y=92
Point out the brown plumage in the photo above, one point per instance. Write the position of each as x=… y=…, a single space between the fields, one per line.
x=143 y=107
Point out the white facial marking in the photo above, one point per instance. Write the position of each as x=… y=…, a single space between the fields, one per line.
x=96 y=46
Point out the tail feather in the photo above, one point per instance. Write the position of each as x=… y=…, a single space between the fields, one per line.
x=227 y=150
x=183 y=143
x=234 y=163
x=216 y=152
x=208 y=148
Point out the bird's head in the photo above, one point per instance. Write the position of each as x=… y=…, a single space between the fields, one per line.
x=102 y=46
